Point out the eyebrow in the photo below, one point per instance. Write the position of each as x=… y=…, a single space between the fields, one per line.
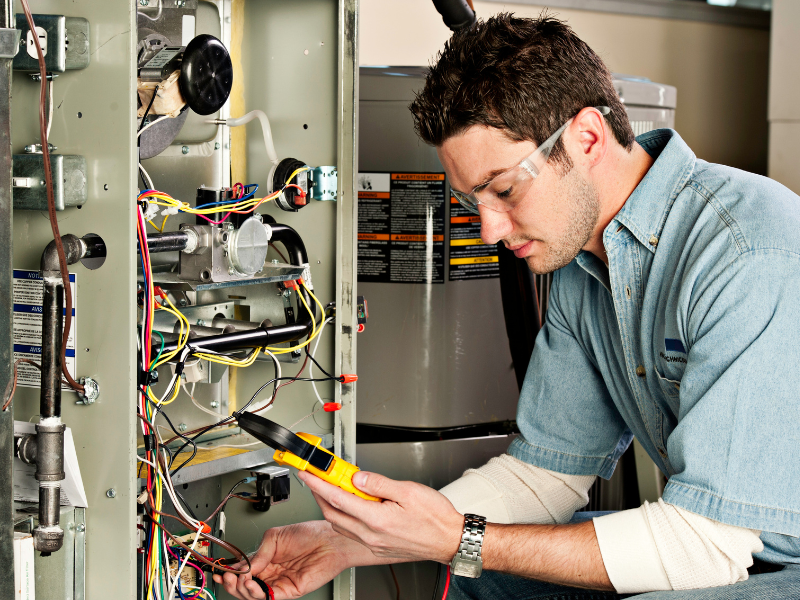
x=491 y=175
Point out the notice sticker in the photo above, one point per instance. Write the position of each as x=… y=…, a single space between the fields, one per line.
x=470 y=258
x=401 y=227
x=28 y=296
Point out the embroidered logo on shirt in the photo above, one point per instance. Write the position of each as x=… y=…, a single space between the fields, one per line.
x=672 y=345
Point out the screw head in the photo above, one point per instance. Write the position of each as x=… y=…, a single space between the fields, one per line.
x=30 y=148
x=182 y=427
x=214 y=404
x=285 y=293
x=183 y=302
x=144 y=2
x=274 y=261
x=216 y=146
x=185 y=149
x=201 y=322
x=111 y=493
x=80 y=528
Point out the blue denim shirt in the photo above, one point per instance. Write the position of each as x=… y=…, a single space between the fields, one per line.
x=689 y=340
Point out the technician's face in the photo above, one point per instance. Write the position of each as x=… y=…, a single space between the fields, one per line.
x=556 y=218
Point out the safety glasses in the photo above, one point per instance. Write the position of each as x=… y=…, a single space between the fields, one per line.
x=504 y=192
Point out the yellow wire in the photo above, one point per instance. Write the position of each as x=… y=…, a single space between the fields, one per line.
x=314 y=333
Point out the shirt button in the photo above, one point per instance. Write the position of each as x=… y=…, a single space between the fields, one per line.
x=653 y=240
x=640 y=371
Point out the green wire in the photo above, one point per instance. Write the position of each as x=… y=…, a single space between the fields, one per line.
x=160 y=350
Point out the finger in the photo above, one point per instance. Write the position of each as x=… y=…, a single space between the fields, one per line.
x=243 y=590
x=382 y=487
x=341 y=500
x=255 y=590
x=230 y=581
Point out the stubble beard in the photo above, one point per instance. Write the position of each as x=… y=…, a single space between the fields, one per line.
x=580 y=200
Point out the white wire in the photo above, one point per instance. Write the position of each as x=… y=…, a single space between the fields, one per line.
x=144 y=460
x=158 y=14
x=185 y=560
x=197 y=404
x=313 y=353
x=228 y=446
x=148 y=181
x=50 y=118
x=150 y=124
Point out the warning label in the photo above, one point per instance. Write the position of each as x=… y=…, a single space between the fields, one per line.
x=401 y=227
x=28 y=293
x=470 y=258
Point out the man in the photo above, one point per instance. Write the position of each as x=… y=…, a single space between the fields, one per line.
x=673 y=317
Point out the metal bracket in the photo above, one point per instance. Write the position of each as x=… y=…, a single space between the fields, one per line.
x=325 y=183
x=9 y=42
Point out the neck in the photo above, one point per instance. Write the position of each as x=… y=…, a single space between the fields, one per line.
x=614 y=180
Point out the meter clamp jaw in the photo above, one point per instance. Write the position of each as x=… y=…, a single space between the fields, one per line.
x=303 y=451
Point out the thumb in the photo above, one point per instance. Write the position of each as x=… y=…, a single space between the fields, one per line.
x=378 y=485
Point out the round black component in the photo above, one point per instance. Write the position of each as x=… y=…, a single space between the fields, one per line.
x=206 y=74
x=291 y=199
x=273 y=435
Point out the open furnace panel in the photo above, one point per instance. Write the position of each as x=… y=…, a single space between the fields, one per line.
x=201 y=170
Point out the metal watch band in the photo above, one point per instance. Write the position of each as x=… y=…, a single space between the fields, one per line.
x=468 y=562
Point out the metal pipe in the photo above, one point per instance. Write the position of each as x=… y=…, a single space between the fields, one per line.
x=256 y=338
x=231 y=325
x=48 y=536
x=52 y=324
x=167 y=242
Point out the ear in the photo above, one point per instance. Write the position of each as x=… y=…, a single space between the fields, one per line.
x=590 y=132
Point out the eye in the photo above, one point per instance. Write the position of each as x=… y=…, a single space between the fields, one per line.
x=505 y=193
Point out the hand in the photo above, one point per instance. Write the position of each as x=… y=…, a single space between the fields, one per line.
x=295 y=560
x=414 y=522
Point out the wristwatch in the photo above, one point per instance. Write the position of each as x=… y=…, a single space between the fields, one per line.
x=468 y=562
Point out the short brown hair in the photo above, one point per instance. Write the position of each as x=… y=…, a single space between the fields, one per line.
x=525 y=76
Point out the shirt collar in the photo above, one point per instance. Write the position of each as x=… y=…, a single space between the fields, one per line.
x=647 y=208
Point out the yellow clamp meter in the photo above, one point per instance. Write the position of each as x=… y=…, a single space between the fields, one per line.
x=302 y=451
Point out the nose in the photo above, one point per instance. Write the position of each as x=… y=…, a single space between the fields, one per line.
x=494 y=225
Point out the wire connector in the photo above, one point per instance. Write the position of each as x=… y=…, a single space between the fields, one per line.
x=350 y=378
x=332 y=406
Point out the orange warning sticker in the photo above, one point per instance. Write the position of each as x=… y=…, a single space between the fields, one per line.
x=418 y=176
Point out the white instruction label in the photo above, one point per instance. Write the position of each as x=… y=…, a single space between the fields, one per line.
x=28 y=293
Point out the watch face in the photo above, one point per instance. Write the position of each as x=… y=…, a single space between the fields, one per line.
x=467 y=568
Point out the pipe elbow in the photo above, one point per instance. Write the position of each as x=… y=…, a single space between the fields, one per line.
x=74 y=250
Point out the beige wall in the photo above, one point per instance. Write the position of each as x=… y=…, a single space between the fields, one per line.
x=721 y=71
x=784 y=108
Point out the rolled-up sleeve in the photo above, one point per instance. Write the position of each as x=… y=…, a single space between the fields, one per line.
x=568 y=421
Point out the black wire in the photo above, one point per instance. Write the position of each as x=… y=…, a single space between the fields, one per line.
x=319 y=366
x=436 y=585
x=186 y=504
x=147 y=110
x=179 y=434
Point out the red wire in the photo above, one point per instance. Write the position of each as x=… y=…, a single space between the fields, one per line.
x=446 y=583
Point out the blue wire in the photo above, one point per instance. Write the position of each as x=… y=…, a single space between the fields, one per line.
x=247 y=197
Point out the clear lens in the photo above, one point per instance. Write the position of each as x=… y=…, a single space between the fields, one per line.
x=507 y=190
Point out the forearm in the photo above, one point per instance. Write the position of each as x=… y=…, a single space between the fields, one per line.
x=562 y=554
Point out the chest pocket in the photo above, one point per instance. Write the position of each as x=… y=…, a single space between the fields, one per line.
x=671 y=388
